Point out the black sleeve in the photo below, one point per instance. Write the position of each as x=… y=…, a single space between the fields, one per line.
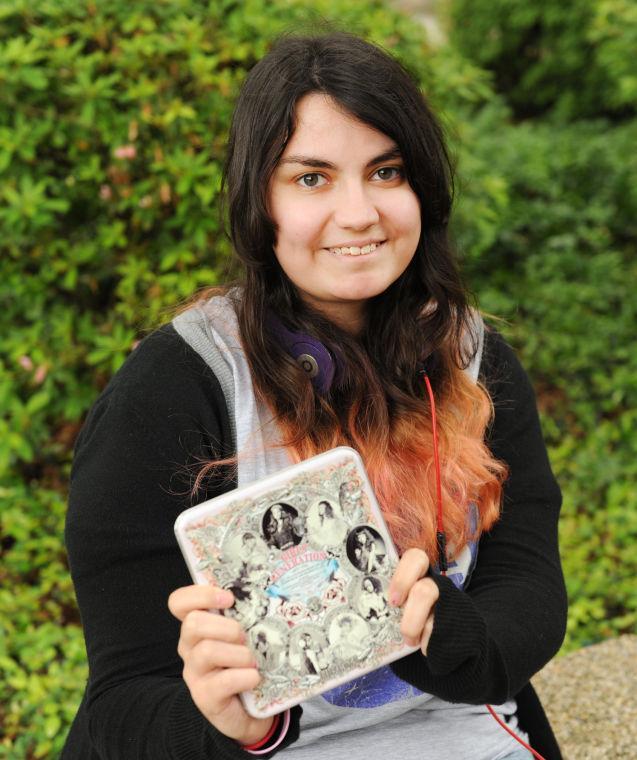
x=159 y=418
x=489 y=640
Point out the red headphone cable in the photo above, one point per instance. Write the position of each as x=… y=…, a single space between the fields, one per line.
x=441 y=539
x=513 y=734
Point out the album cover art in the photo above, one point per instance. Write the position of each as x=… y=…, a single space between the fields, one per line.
x=308 y=558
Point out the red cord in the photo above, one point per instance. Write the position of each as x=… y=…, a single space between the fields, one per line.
x=513 y=734
x=434 y=426
x=441 y=538
x=442 y=561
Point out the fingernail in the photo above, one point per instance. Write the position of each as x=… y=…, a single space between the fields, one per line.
x=394 y=599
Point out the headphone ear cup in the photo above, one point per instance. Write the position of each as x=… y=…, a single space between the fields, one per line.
x=308 y=352
x=315 y=360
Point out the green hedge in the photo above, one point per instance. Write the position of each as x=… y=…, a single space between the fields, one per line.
x=555 y=256
x=113 y=122
x=575 y=59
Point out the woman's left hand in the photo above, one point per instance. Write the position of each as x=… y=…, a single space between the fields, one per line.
x=417 y=595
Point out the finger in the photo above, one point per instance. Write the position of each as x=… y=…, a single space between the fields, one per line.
x=421 y=599
x=198 y=625
x=413 y=565
x=215 y=690
x=237 y=680
x=210 y=655
x=188 y=598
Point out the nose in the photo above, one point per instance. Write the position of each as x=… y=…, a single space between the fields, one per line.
x=355 y=208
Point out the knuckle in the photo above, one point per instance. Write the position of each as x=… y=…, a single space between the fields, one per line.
x=207 y=650
x=189 y=624
x=417 y=554
x=198 y=658
x=424 y=590
x=433 y=589
x=192 y=622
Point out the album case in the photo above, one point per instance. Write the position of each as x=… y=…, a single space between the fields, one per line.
x=308 y=557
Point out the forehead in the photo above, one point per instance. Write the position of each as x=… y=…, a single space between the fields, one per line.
x=323 y=128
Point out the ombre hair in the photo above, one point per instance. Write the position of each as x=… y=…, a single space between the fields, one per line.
x=378 y=404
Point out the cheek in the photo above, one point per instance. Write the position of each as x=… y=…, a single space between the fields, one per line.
x=303 y=231
x=299 y=225
x=406 y=216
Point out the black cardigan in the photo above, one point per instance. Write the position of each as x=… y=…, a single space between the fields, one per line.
x=135 y=459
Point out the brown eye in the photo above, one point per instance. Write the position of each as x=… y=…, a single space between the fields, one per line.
x=387 y=173
x=310 y=180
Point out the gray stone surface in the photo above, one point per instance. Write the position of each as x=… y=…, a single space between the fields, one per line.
x=590 y=697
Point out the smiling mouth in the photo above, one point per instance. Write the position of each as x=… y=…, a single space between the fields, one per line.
x=355 y=250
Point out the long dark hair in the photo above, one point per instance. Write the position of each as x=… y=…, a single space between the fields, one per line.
x=422 y=317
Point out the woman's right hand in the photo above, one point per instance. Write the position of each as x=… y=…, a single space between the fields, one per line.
x=217 y=663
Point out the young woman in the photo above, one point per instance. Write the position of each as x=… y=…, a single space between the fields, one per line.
x=339 y=193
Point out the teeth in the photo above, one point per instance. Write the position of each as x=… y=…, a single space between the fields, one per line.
x=355 y=250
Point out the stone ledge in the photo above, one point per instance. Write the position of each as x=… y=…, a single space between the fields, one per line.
x=589 y=697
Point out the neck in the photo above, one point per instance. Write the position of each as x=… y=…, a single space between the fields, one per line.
x=350 y=317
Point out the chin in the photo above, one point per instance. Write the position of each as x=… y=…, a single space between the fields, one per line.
x=358 y=294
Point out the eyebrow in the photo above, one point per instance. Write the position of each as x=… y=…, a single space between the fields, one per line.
x=319 y=163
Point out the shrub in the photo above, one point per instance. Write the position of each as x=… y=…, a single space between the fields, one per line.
x=547 y=225
x=574 y=59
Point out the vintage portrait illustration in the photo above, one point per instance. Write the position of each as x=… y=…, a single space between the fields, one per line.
x=309 y=650
x=325 y=523
x=269 y=641
x=349 y=636
x=308 y=563
x=370 y=599
x=366 y=550
x=282 y=526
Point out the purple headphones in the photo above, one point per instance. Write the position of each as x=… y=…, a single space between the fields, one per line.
x=319 y=364
x=308 y=352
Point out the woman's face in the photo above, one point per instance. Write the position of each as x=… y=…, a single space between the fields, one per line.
x=347 y=220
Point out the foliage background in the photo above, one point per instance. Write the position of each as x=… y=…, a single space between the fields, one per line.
x=113 y=120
